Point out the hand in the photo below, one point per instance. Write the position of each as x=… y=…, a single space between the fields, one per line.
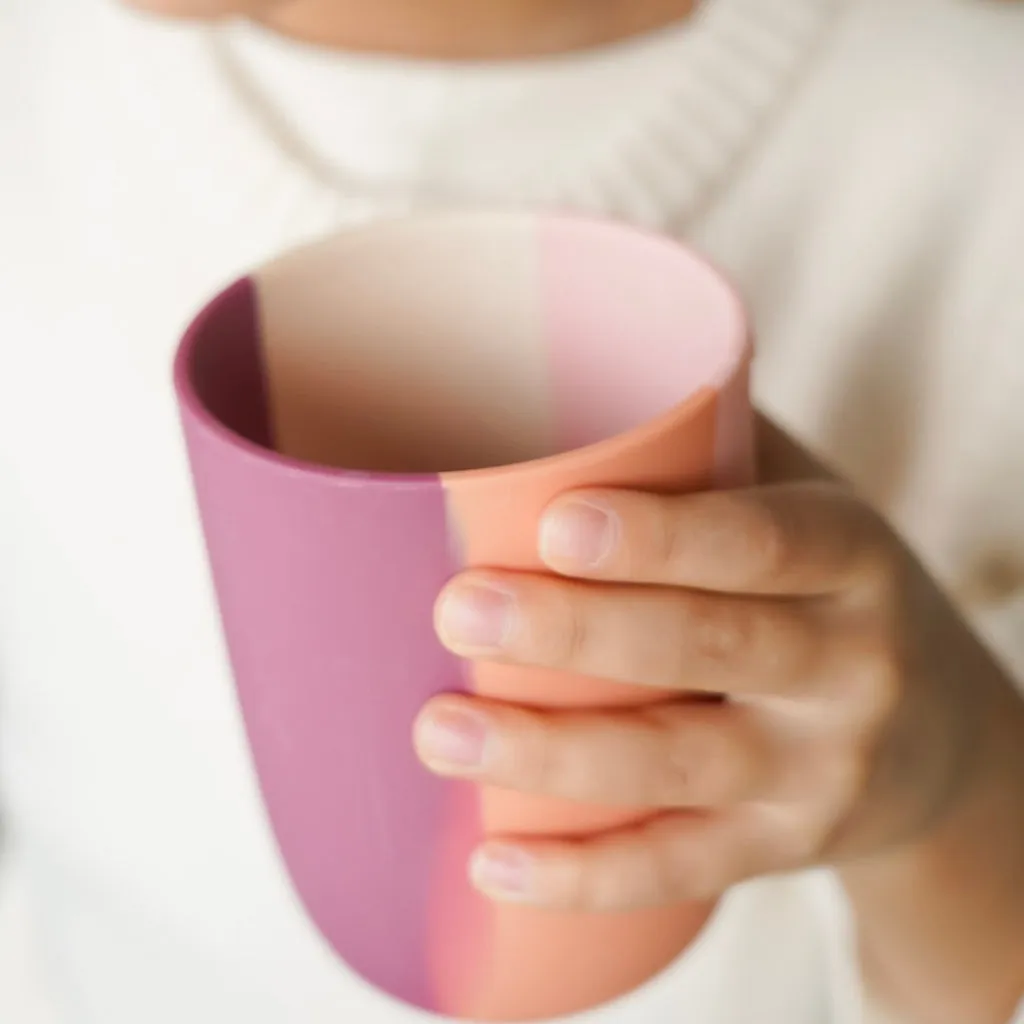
x=852 y=718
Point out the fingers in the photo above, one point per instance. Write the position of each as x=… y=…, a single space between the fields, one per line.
x=729 y=593
x=805 y=538
x=670 y=639
x=671 y=859
x=680 y=755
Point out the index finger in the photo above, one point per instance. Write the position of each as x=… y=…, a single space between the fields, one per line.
x=788 y=539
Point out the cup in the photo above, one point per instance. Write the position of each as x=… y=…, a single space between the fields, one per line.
x=369 y=415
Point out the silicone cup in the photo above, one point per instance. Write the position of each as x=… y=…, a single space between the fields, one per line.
x=563 y=352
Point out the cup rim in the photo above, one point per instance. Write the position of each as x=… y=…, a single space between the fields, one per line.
x=598 y=451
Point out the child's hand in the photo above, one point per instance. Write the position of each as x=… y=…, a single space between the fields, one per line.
x=855 y=703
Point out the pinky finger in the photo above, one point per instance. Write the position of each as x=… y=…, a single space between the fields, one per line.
x=671 y=859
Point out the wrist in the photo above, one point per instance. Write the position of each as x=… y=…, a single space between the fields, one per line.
x=941 y=919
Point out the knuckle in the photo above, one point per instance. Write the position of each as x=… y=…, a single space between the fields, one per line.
x=768 y=542
x=799 y=838
x=876 y=682
x=660 y=657
x=692 y=860
x=565 y=876
x=683 y=783
x=807 y=845
x=719 y=633
x=619 y=888
x=788 y=647
x=843 y=776
x=582 y=883
x=666 y=542
x=532 y=762
x=697 y=771
x=831 y=817
x=554 y=758
x=563 y=635
x=671 y=875
x=608 y=877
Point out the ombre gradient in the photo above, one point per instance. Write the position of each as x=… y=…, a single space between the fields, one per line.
x=367 y=417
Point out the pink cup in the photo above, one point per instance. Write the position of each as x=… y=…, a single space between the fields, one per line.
x=369 y=415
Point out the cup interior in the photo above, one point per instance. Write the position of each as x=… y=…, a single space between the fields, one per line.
x=462 y=342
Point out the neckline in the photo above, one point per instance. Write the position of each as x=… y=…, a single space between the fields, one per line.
x=672 y=113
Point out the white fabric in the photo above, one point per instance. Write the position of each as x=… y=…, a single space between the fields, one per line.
x=855 y=164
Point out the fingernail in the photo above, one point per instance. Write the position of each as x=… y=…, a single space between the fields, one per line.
x=502 y=872
x=451 y=739
x=579 y=533
x=477 y=617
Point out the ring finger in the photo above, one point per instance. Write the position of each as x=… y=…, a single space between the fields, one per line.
x=678 y=755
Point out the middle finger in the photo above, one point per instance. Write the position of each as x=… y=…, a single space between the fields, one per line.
x=659 y=637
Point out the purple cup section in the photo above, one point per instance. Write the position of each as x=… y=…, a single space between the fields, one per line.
x=331 y=743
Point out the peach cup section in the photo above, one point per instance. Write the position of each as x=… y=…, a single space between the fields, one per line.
x=368 y=416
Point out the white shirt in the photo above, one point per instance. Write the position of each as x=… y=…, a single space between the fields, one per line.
x=854 y=164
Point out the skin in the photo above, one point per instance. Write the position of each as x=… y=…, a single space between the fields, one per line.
x=863 y=726
x=450 y=29
x=855 y=719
